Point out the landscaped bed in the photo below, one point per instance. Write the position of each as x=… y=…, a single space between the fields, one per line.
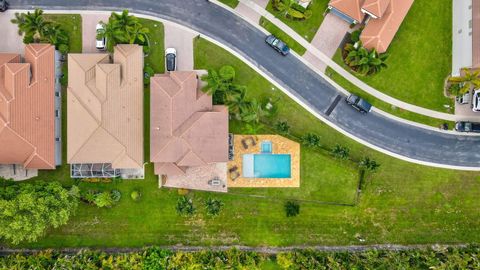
x=401 y=203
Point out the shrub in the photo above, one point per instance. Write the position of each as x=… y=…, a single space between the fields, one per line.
x=295 y=14
x=103 y=199
x=282 y=127
x=116 y=195
x=292 y=208
x=311 y=140
x=63 y=48
x=135 y=195
x=308 y=14
x=340 y=152
x=185 y=206
x=298 y=7
x=213 y=206
x=147 y=73
x=227 y=73
x=89 y=196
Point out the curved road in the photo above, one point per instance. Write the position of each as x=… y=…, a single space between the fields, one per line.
x=214 y=21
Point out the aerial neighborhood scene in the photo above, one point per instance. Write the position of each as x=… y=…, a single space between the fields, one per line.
x=240 y=134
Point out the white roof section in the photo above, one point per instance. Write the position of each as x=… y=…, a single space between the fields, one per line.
x=461 y=36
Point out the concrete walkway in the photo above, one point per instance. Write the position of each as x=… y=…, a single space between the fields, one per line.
x=315 y=52
x=328 y=38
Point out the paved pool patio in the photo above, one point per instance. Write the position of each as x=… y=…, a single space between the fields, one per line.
x=251 y=144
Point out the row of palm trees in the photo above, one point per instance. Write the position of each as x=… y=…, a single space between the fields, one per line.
x=221 y=86
x=36 y=29
x=124 y=28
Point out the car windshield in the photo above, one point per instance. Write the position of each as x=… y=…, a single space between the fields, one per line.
x=275 y=42
x=468 y=126
x=170 y=60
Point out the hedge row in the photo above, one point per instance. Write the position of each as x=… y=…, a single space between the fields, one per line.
x=155 y=258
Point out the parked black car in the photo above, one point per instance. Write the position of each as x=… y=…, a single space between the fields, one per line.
x=462 y=126
x=3 y=5
x=277 y=44
x=359 y=103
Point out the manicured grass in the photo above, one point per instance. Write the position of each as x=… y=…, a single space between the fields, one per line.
x=402 y=203
x=420 y=57
x=294 y=45
x=72 y=24
x=155 y=58
x=306 y=28
x=385 y=106
x=230 y=3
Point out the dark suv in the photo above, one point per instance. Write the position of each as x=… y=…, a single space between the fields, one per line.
x=3 y=5
x=277 y=44
x=467 y=127
x=359 y=103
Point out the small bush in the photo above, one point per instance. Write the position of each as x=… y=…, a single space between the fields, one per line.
x=282 y=127
x=213 y=206
x=311 y=140
x=227 y=73
x=185 y=206
x=135 y=195
x=116 y=195
x=298 y=7
x=308 y=14
x=103 y=199
x=148 y=72
x=340 y=152
x=88 y=196
x=292 y=208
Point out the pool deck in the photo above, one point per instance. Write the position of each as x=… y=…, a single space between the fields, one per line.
x=280 y=145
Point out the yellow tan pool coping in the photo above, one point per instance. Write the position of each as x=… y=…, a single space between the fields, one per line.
x=280 y=145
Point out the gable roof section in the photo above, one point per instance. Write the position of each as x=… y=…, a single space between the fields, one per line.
x=375 y=7
x=105 y=108
x=186 y=130
x=351 y=8
x=379 y=33
x=27 y=112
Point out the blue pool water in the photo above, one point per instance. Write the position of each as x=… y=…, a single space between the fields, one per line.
x=266 y=147
x=266 y=166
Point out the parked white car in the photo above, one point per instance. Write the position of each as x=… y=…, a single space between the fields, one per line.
x=101 y=43
x=476 y=101
x=171 y=59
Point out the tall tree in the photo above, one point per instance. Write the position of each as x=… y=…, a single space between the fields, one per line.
x=28 y=210
x=364 y=61
x=112 y=34
x=31 y=24
x=469 y=80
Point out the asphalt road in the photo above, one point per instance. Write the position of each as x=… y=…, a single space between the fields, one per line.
x=218 y=23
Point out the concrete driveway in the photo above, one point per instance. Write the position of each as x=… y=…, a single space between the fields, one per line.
x=328 y=38
x=89 y=33
x=182 y=40
x=11 y=41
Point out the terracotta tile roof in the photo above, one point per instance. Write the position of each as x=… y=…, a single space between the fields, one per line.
x=105 y=108
x=376 y=7
x=27 y=108
x=379 y=33
x=185 y=129
x=475 y=33
x=351 y=8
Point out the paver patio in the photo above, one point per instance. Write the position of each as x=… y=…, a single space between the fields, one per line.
x=280 y=145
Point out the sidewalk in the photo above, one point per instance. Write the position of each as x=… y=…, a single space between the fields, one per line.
x=313 y=55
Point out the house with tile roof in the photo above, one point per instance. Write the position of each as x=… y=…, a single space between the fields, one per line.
x=188 y=135
x=465 y=35
x=27 y=108
x=105 y=112
x=382 y=19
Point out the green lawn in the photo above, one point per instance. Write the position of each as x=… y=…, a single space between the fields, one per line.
x=292 y=43
x=402 y=203
x=385 y=106
x=230 y=3
x=307 y=28
x=72 y=24
x=420 y=57
x=155 y=58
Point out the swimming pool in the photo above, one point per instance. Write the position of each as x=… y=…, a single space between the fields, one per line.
x=266 y=166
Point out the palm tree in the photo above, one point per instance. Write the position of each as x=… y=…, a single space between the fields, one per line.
x=468 y=81
x=53 y=34
x=235 y=100
x=253 y=112
x=363 y=61
x=138 y=34
x=125 y=23
x=113 y=35
x=214 y=83
x=32 y=24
